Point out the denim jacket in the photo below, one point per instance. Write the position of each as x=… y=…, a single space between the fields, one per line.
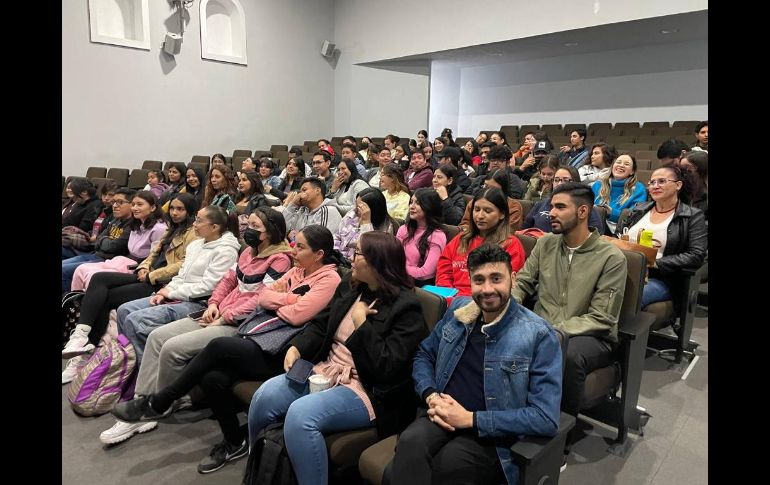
x=522 y=371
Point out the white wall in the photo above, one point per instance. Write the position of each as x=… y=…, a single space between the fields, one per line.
x=652 y=83
x=121 y=106
x=373 y=30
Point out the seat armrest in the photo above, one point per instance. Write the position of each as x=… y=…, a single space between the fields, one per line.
x=634 y=326
x=530 y=449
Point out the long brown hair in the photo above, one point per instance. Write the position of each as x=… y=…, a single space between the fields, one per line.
x=211 y=192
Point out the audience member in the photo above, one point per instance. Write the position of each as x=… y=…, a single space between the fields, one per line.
x=309 y=206
x=602 y=156
x=422 y=236
x=619 y=189
x=370 y=214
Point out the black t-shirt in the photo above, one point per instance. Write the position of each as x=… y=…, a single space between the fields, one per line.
x=466 y=385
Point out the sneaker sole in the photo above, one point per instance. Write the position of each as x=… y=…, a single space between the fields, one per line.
x=119 y=439
x=227 y=460
x=68 y=354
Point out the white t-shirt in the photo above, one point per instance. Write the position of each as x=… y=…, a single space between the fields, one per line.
x=659 y=231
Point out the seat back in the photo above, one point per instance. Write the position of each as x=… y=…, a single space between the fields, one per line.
x=138 y=178
x=241 y=153
x=119 y=175
x=450 y=231
x=526 y=206
x=152 y=165
x=99 y=183
x=433 y=306
x=528 y=242
x=94 y=172
x=279 y=148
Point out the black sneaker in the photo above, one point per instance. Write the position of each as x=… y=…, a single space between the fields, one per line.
x=221 y=454
x=138 y=409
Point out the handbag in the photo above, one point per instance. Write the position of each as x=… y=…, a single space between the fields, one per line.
x=268 y=330
x=649 y=253
x=76 y=238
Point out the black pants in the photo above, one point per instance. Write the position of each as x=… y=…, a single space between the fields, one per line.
x=107 y=291
x=584 y=355
x=426 y=453
x=216 y=368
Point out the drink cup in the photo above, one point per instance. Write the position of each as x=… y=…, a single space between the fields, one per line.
x=319 y=383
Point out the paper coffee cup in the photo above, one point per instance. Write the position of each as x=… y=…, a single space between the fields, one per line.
x=318 y=383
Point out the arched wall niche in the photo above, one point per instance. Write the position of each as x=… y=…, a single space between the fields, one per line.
x=120 y=22
x=223 y=31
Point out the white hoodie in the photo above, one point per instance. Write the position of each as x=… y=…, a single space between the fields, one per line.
x=204 y=265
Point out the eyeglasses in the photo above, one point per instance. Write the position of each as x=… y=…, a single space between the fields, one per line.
x=659 y=182
x=198 y=220
x=120 y=202
x=357 y=253
x=560 y=180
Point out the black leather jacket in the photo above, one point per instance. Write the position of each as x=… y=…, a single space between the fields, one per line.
x=686 y=239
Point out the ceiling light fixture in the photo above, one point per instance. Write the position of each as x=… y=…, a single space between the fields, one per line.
x=669 y=31
x=570 y=44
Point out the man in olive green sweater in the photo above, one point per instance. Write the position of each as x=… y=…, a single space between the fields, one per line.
x=579 y=279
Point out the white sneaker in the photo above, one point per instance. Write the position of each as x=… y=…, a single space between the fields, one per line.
x=73 y=366
x=78 y=344
x=122 y=431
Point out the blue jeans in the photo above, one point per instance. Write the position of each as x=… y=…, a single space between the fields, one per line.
x=67 y=253
x=308 y=417
x=136 y=319
x=68 y=267
x=654 y=291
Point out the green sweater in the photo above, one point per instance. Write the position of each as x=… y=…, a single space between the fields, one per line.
x=583 y=297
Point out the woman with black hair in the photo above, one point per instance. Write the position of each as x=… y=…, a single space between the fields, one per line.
x=489 y=210
x=498 y=179
x=108 y=290
x=195 y=182
x=175 y=178
x=679 y=231
x=362 y=344
x=452 y=199
x=370 y=214
x=346 y=186
x=147 y=226
x=250 y=197
x=295 y=174
x=422 y=236
x=299 y=295
x=403 y=154
x=541 y=185
x=83 y=207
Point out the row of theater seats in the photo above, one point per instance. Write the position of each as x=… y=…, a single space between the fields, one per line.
x=611 y=393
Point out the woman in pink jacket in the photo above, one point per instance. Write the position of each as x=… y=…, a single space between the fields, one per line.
x=171 y=346
x=297 y=297
x=422 y=236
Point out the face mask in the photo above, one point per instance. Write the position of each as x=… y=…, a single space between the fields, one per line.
x=252 y=237
x=364 y=145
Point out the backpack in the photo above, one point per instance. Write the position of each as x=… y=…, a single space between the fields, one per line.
x=269 y=463
x=70 y=309
x=107 y=377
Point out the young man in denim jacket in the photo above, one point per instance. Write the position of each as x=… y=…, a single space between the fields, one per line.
x=489 y=372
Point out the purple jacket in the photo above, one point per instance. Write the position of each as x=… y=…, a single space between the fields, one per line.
x=422 y=178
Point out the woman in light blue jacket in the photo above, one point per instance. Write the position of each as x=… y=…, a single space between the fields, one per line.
x=620 y=189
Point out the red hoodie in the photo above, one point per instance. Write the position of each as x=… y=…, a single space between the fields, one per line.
x=452 y=269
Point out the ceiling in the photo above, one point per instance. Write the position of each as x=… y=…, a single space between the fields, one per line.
x=685 y=27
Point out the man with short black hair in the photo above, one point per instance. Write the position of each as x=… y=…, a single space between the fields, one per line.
x=576 y=153
x=420 y=173
x=310 y=206
x=701 y=137
x=322 y=168
x=349 y=152
x=383 y=158
x=670 y=151
x=489 y=372
x=530 y=166
x=497 y=159
x=583 y=292
x=454 y=155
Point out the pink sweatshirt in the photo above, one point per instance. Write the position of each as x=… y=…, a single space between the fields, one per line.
x=236 y=296
x=295 y=310
x=436 y=244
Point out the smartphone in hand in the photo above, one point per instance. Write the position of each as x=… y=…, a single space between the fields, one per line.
x=300 y=371
x=196 y=315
